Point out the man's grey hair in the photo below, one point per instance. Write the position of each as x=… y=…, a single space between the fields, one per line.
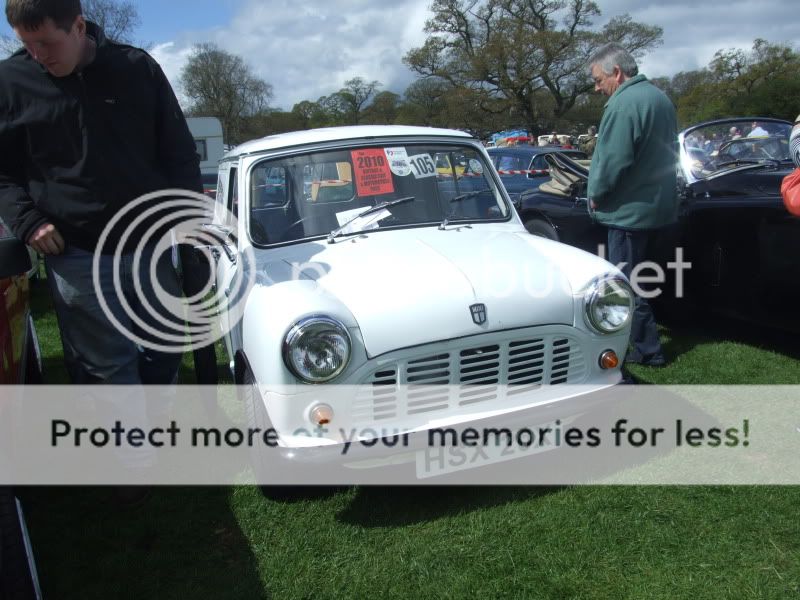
x=611 y=55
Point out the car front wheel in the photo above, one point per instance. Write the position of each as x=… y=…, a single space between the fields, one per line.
x=541 y=228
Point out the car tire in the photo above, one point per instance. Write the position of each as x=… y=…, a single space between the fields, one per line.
x=257 y=417
x=541 y=228
x=18 y=579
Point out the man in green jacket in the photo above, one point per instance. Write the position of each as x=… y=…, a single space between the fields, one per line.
x=632 y=180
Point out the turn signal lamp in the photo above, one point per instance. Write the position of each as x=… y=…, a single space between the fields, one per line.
x=321 y=414
x=609 y=360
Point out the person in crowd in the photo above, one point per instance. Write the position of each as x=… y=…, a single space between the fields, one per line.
x=89 y=125
x=794 y=142
x=589 y=144
x=757 y=131
x=632 y=183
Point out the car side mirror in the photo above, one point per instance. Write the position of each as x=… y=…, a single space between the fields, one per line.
x=14 y=258
x=221 y=233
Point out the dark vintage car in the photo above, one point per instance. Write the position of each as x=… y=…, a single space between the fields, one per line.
x=20 y=362
x=523 y=168
x=743 y=245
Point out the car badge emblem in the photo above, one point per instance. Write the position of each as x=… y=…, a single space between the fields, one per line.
x=478 y=313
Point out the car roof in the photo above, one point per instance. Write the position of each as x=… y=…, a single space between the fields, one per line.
x=334 y=134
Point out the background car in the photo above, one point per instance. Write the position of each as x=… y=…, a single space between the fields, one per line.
x=733 y=227
x=20 y=362
x=19 y=347
x=523 y=168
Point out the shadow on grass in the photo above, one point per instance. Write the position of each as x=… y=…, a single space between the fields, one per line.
x=687 y=331
x=392 y=506
x=179 y=543
x=182 y=542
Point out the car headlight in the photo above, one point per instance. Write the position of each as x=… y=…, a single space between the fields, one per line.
x=609 y=305
x=317 y=349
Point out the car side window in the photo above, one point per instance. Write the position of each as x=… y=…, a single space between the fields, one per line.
x=233 y=193
x=509 y=163
x=269 y=187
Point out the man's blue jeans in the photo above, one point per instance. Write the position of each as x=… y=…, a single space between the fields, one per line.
x=626 y=249
x=95 y=350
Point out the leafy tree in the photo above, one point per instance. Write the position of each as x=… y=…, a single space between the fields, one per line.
x=764 y=81
x=424 y=103
x=513 y=50
x=383 y=110
x=354 y=96
x=220 y=84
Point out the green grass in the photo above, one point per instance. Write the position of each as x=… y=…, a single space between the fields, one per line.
x=455 y=542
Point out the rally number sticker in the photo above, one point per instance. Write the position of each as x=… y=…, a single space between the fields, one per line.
x=422 y=165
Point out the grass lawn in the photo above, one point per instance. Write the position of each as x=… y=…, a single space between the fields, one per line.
x=453 y=542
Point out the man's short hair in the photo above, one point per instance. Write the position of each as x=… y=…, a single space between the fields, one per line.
x=31 y=14
x=613 y=55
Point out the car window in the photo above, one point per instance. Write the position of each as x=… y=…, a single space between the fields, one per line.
x=311 y=194
x=511 y=163
x=720 y=146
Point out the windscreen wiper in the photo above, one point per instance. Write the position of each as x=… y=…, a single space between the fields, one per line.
x=371 y=210
x=772 y=162
x=443 y=225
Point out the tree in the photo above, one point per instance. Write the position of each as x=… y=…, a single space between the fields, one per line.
x=118 y=19
x=513 y=50
x=8 y=45
x=383 y=110
x=354 y=96
x=220 y=84
x=764 y=81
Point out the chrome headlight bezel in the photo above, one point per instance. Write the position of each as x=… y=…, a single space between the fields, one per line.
x=597 y=291
x=305 y=327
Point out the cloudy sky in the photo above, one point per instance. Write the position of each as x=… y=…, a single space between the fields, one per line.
x=309 y=49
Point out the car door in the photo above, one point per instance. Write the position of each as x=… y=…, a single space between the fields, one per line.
x=226 y=253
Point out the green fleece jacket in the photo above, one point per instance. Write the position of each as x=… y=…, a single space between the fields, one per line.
x=632 y=180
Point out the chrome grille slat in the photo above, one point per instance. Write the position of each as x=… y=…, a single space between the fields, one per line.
x=477 y=367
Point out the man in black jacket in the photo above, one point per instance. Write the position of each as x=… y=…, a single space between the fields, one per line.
x=86 y=127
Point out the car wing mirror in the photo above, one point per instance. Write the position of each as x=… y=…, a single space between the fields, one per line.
x=222 y=233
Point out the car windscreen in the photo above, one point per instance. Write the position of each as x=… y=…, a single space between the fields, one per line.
x=313 y=194
x=718 y=147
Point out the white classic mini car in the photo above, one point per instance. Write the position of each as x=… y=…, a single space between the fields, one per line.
x=370 y=267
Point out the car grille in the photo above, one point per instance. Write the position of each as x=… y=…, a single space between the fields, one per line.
x=478 y=371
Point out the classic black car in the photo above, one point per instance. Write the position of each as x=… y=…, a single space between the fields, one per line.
x=522 y=168
x=743 y=245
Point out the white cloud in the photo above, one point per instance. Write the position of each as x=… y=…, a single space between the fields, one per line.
x=307 y=50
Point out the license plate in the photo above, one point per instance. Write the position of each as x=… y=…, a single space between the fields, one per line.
x=435 y=461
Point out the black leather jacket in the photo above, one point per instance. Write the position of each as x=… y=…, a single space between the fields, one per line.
x=75 y=149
